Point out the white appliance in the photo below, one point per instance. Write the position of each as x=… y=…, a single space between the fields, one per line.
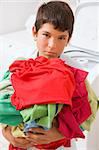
x=84 y=47
x=84 y=44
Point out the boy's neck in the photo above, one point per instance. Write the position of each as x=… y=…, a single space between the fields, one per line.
x=38 y=55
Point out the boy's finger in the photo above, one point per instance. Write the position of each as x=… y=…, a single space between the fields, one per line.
x=37 y=130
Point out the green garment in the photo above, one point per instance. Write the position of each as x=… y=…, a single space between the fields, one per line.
x=94 y=103
x=43 y=115
x=8 y=114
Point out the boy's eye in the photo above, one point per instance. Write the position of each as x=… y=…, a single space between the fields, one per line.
x=61 y=38
x=45 y=34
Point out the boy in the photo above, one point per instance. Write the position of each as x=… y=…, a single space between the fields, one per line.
x=52 y=31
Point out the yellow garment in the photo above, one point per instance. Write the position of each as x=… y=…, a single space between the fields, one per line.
x=94 y=103
x=17 y=131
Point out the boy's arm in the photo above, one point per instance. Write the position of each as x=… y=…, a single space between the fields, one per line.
x=16 y=142
x=45 y=136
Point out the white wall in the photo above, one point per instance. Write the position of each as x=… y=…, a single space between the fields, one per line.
x=14 y=13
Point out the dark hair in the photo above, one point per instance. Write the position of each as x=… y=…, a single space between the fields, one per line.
x=58 y=13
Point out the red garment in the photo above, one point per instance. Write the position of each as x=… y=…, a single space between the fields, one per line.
x=68 y=125
x=53 y=145
x=11 y=147
x=50 y=146
x=41 y=81
x=70 y=118
x=80 y=105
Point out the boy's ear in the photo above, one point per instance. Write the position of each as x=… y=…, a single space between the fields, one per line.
x=67 y=39
x=34 y=31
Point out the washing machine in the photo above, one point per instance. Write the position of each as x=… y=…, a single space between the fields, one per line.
x=84 y=48
x=84 y=44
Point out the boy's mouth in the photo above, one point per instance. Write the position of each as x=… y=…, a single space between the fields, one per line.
x=49 y=52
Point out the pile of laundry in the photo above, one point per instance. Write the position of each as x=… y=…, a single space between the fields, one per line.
x=33 y=92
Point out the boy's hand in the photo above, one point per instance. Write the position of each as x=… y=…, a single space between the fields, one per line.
x=16 y=142
x=41 y=137
x=44 y=136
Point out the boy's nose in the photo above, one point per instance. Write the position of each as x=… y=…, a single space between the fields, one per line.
x=52 y=43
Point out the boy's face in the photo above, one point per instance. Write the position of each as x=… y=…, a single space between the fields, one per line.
x=50 y=41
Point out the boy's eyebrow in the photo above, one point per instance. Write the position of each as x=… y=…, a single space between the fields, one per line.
x=47 y=32
x=62 y=35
